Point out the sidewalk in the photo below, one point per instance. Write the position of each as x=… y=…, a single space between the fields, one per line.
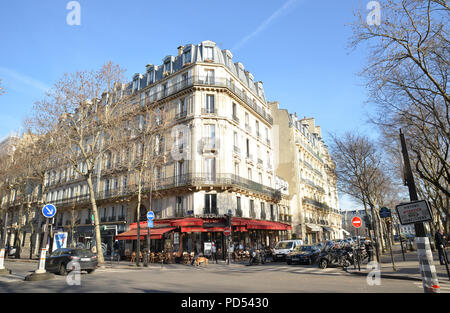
x=406 y=270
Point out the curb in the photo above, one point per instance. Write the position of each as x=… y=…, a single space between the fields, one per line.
x=387 y=276
x=22 y=260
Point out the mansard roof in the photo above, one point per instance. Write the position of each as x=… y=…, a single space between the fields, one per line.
x=172 y=64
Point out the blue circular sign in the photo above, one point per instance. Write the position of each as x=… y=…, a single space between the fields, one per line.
x=49 y=210
x=150 y=215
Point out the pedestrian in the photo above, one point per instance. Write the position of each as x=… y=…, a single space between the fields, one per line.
x=369 y=249
x=252 y=255
x=214 y=252
x=441 y=243
x=196 y=251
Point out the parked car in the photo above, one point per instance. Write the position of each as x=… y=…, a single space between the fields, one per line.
x=57 y=262
x=283 y=248
x=303 y=254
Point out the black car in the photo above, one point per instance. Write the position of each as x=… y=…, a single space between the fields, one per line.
x=303 y=254
x=57 y=262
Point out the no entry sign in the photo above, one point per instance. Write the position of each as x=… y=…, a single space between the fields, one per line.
x=356 y=222
x=227 y=232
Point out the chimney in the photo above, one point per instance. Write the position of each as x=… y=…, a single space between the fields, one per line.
x=180 y=50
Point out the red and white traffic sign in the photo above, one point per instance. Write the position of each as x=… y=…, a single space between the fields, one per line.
x=356 y=222
x=227 y=231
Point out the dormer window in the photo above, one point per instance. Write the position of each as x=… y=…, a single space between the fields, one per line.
x=187 y=57
x=150 y=77
x=167 y=67
x=209 y=53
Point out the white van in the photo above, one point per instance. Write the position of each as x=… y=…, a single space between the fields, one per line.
x=284 y=247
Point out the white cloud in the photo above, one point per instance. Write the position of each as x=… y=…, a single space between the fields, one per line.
x=277 y=14
x=16 y=80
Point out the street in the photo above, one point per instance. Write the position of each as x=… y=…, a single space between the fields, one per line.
x=216 y=278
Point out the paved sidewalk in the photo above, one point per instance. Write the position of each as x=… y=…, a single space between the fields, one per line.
x=406 y=270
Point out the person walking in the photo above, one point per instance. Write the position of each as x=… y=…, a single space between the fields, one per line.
x=196 y=251
x=441 y=243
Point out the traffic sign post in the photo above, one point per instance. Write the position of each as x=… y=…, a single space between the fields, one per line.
x=357 y=223
x=150 y=217
x=49 y=212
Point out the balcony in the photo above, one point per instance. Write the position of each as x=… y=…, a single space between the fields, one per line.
x=180 y=115
x=209 y=111
x=236 y=150
x=112 y=219
x=207 y=81
x=316 y=203
x=121 y=218
x=248 y=128
x=180 y=212
x=235 y=118
x=268 y=142
x=185 y=180
x=103 y=219
x=210 y=211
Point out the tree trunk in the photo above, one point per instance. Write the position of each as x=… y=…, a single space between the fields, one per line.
x=98 y=241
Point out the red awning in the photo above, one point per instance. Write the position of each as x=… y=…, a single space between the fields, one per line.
x=259 y=224
x=155 y=233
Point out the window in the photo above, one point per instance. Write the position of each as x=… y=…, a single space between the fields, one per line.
x=182 y=107
x=247 y=145
x=209 y=53
x=263 y=211
x=210 y=136
x=179 y=207
x=210 y=169
x=210 y=204
x=187 y=57
x=236 y=169
x=252 y=209
x=209 y=104
x=167 y=67
x=260 y=178
x=249 y=173
x=238 y=207
x=209 y=77
x=184 y=80
x=165 y=90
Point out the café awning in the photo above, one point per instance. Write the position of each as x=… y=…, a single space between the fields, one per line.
x=328 y=229
x=313 y=227
x=155 y=233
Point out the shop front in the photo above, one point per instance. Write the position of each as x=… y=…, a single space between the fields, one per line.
x=313 y=233
x=180 y=235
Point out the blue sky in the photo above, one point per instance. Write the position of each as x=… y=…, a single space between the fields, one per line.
x=298 y=48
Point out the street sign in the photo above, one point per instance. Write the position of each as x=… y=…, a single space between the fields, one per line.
x=49 y=210
x=385 y=212
x=149 y=224
x=356 y=222
x=414 y=212
x=150 y=215
x=227 y=231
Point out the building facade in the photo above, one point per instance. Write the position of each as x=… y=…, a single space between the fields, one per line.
x=304 y=162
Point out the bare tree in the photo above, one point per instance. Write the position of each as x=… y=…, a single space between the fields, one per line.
x=407 y=75
x=82 y=111
x=362 y=175
x=147 y=124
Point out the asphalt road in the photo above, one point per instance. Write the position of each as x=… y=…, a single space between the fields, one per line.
x=268 y=278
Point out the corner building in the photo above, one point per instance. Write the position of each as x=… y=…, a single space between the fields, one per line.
x=218 y=159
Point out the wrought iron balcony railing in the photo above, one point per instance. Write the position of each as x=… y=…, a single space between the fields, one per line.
x=207 y=81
